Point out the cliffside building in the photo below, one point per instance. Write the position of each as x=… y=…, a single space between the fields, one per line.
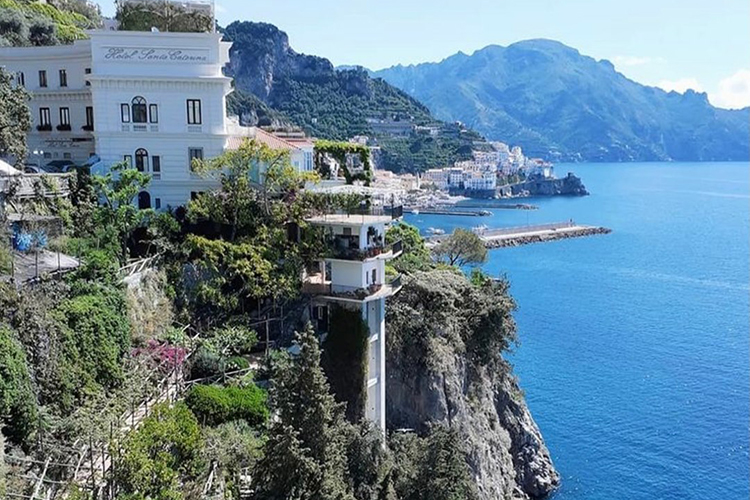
x=156 y=100
x=352 y=276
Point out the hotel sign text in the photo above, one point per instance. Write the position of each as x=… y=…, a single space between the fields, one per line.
x=128 y=54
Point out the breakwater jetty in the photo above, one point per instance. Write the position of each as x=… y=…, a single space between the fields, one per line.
x=442 y=211
x=525 y=235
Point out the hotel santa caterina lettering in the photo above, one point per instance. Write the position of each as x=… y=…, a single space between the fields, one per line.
x=143 y=54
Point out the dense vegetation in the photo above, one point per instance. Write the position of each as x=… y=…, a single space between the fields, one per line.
x=561 y=105
x=31 y=23
x=333 y=104
x=15 y=119
x=77 y=353
x=164 y=16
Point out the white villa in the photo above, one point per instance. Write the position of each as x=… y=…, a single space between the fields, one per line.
x=156 y=100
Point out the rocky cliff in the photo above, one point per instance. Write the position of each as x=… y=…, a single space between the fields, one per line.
x=445 y=338
x=570 y=185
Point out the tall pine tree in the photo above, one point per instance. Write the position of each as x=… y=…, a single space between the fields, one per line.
x=305 y=455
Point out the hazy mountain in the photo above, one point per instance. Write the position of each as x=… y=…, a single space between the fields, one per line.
x=560 y=104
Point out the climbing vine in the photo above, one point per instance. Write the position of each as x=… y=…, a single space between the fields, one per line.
x=339 y=151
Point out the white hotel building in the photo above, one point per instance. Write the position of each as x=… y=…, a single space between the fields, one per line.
x=156 y=100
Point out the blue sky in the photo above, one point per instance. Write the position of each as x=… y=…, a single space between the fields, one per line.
x=675 y=44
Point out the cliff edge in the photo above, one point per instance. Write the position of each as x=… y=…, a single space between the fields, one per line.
x=445 y=367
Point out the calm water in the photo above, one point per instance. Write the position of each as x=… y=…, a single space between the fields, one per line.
x=634 y=345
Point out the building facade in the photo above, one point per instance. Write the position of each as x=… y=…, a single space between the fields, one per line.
x=154 y=100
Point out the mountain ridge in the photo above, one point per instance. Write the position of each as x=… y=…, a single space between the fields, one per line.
x=333 y=103
x=563 y=105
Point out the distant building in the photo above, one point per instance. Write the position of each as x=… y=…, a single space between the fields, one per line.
x=398 y=128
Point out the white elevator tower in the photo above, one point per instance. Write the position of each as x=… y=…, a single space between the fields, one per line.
x=353 y=275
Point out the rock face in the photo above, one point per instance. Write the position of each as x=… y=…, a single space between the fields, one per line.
x=261 y=55
x=507 y=454
x=505 y=449
x=569 y=185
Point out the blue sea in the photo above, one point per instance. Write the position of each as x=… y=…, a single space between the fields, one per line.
x=634 y=346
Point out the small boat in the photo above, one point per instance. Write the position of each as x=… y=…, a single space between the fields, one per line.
x=485 y=213
x=436 y=231
x=415 y=211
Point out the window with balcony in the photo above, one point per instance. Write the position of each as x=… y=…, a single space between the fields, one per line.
x=141 y=160
x=42 y=78
x=89 y=119
x=44 y=120
x=63 y=78
x=64 y=119
x=194 y=115
x=139 y=110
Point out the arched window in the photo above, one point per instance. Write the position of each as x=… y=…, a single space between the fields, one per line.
x=141 y=160
x=140 y=110
x=144 y=200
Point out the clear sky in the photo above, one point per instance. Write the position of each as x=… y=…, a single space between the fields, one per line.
x=675 y=44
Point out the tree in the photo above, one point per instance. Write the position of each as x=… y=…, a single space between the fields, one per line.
x=433 y=467
x=2 y=463
x=461 y=248
x=17 y=401
x=118 y=190
x=444 y=473
x=305 y=456
x=369 y=463
x=416 y=256
x=250 y=176
x=165 y=447
x=15 y=119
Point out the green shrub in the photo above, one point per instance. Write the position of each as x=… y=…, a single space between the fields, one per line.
x=236 y=363
x=205 y=363
x=162 y=451
x=17 y=402
x=215 y=405
x=97 y=334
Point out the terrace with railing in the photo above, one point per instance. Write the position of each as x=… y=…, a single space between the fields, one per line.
x=340 y=247
x=360 y=215
x=315 y=285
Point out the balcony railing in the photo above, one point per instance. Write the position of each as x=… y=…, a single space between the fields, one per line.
x=337 y=252
x=316 y=287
